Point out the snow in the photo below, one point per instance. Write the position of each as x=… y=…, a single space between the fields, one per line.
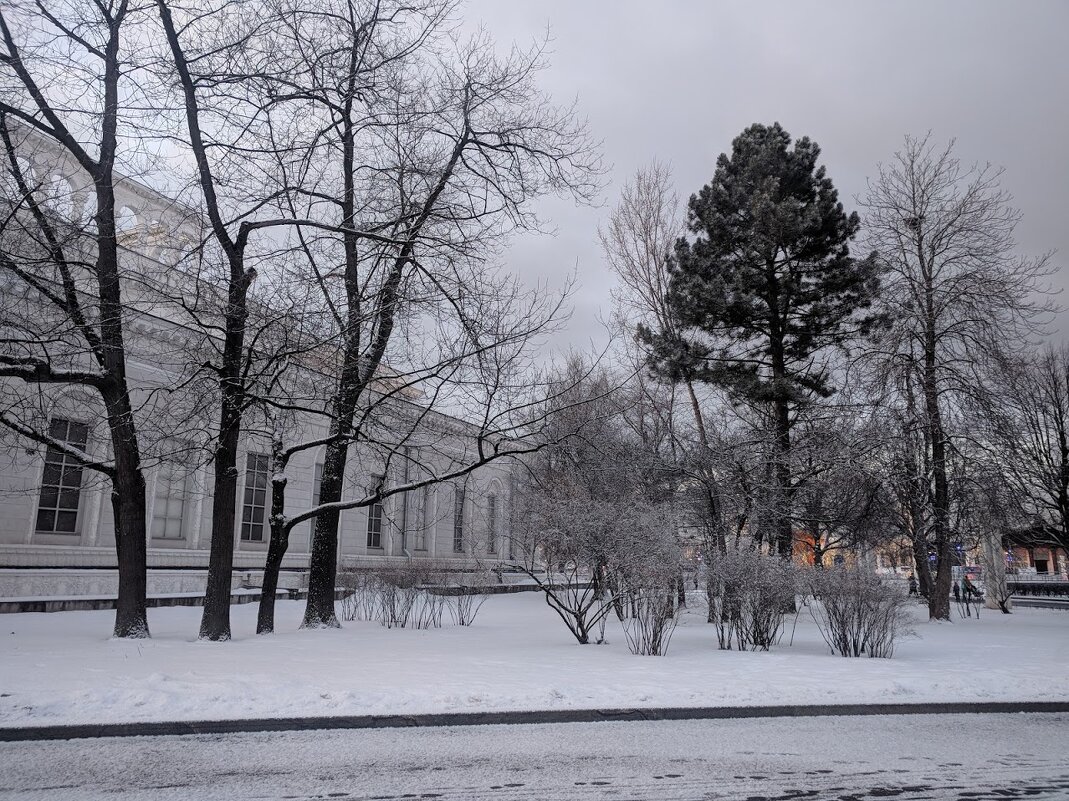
x=62 y=668
x=951 y=757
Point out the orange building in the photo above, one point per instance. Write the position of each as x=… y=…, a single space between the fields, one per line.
x=1044 y=560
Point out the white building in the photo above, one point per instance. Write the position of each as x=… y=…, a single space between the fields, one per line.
x=56 y=527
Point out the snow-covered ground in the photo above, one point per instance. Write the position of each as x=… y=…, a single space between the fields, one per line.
x=62 y=668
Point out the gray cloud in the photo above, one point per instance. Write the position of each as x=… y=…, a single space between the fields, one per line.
x=677 y=81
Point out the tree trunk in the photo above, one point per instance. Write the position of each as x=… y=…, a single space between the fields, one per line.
x=696 y=409
x=215 y=620
x=782 y=472
x=920 y=561
x=323 y=565
x=319 y=611
x=781 y=449
x=939 y=600
x=276 y=550
x=265 y=617
x=358 y=368
x=128 y=507
x=128 y=482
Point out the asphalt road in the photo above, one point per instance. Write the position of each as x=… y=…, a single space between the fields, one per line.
x=961 y=757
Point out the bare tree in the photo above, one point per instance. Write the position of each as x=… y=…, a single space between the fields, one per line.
x=461 y=141
x=390 y=165
x=988 y=512
x=595 y=525
x=230 y=233
x=1025 y=420
x=637 y=244
x=955 y=289
x=909 y=485
x=842 y=501
x=400 y=434
x=68 y=84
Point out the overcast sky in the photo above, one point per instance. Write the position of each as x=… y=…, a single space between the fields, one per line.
x=677 y=81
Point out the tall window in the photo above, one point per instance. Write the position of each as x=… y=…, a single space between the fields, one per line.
x=458 y=519
x=317 y=484
x=407 y=499
x=168 y=508
x=61 y=482
x=374 y=516
x=491 y=523
x=424 y=518
x=252 y=512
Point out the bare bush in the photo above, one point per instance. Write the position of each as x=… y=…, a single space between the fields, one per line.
x=653 y=620
x=857 y=613
x=363 y=599
x=465 y=606
x=395 y=597
x=749 y=593
x=647 y=570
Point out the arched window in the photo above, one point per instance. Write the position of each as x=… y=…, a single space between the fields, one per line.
x=61 y=197
x=125 y=220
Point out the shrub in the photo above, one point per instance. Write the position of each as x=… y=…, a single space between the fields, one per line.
x=653 y=619
x=465 y=606
x=362 y=602
x=646 y=585
x=396 y=597
x=749 y=593
x=857 y=613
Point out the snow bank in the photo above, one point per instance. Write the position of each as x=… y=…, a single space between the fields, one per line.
x=61 y=668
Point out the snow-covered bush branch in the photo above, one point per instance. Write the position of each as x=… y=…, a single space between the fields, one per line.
x=858 y=614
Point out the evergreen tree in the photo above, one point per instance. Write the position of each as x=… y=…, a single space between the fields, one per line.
x=766 y=287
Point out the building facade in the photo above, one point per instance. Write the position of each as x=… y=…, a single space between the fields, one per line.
x=57 y=533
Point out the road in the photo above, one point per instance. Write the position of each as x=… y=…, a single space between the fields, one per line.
x=961 y=757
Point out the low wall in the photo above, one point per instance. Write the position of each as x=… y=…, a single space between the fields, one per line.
x=90 y=602
x=69 y=582
x=1039 y=588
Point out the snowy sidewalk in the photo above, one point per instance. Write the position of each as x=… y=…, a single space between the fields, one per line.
x=61 y=669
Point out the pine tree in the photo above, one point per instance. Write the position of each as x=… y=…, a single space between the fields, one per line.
x=766 y=287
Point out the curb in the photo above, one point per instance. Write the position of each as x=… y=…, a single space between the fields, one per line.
x=253 y=725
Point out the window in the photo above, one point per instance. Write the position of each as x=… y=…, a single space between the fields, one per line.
x=252 y=512
x=458 y=519
x=374 y=516
x=168 y=508
x=491 y=523
x=61 y=482
x=406 y=499
x=423 y=519
x=317 y=484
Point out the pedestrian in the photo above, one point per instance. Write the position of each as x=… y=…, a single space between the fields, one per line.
x=968 y=589
x=970 y=594
x=957 y=592
x=912 y=585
